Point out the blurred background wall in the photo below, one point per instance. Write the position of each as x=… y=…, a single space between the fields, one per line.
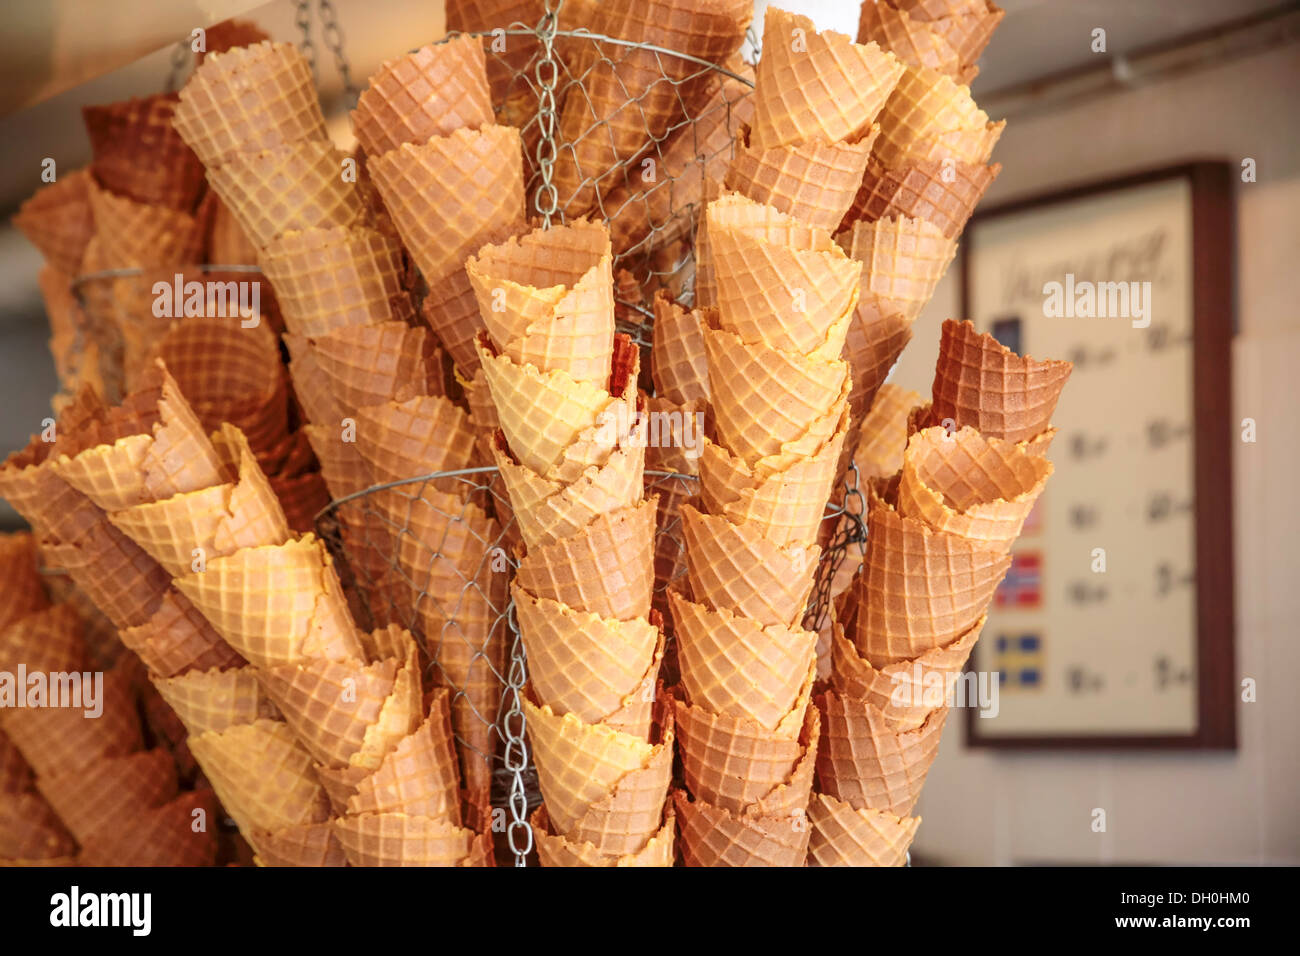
x=979 y=807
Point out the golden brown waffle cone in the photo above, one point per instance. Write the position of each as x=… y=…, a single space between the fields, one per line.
x=580 y=764
x=30 y=830
x=57 y=740
x=899 y=692
x=178 y=638
x=547 y=299
x=216 y=699
x=399 y=440
x=780 y=283
x=607 y=569
x=732 y=567
x=472 y=16
x=943 y=193
x=119 y=578
x=557 y=851
x=980 y=488
x=736 y=765
x=180 y=531
x=262 y=774
x=969 y=34
x=930 y=116
x=815 y=181
x=418 y=776
x=939 y=9
x=50 y=640
x=163 y=453
x=249 y=98
x=310 y=844
x=817 y=86
x=773 y=404
x=275 y=604
x=918 y=589
x=24 y=590
x=373 y=364
x=398 y=839
x=452 y=194
x=302 y=497
x=106 y=792
x=786 y=506
x=874 y=342
x=902 y=261
x=325 y=279
x=133 y=234
x=229 y=34
x=678 y=361
x=227 y=242
x=981 y=383
x=58 y=220
x=122 y=134
x=15 y=775
x=865 y=763
x=581 y=663
x=931 y=43
x=632 y=96
x=882 y=434
x=710 y=836
x=431 y=92
x=736 y=667
x=163 y=836
x=844 y=836
x=549 y=510
x=451 y=311
x=650 y=215
x=296 y=186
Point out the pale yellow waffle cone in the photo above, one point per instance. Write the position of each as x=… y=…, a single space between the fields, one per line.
x=450 y=195
x=678 y=362
x=102 y=794
x=296 y=186
x=902 y=261
x=582 y=663
x=865 y=763
x=944 y=193
x=373 y=364
x=262 y=774
x=399 y=839
x=814 y=181
x=555 y=850
x=418 y=776
x=249 y=98
x=309 y=844
x=915 y=42
x=768 y=402
x=327 y=278
x=736 y=667
x=607 y=569
x=431 y=92
x=980 y=488
x=780 y=283
x=817 y=86
x=907 y=692
x=216 y=699
x=844 y=836
x=733 y=567
x=276 y=604
x=882 y=434
x=930 y=116
x=710 y=836
x=981 y=383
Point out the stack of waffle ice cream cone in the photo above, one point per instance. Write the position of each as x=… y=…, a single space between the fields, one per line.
x=571 y=452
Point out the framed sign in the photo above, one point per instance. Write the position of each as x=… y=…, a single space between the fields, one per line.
x=1114 y=625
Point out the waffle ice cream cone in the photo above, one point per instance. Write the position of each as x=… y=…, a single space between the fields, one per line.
x=104 y=793
x=58 y=220
x=950 y=44
x=963 y=483
x=711 y=836
x=296 y=186
x=930 y=116
x=59 y=740
x=607 y=569
x=31 y=832
x=918 y=589
x=308 y=844
x=25 y=592
x=163 y=836
x=581 y=663
x=400 y=440
x=942 y=193
x=817 y=86
x=452 y=194
x=121 y=579
x=46 y=639
x=418 y=776
x=373 y=364
x=555 y=850
x=216 y=699
x=325 y=279
x=399 y=839
x=248 y=99
x=845 y=836
x=902 y=261
x=131 y=233
x=121 y=133
x=451 y=312
x=874 y=343
x=678 y=362
x=814 y=181
x=732 y=567
x=431 y=92
x=780 y=284
x=227 y=242
x=176 y=638
x=981 y=383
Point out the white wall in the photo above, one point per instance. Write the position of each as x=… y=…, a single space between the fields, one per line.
x=985 y=808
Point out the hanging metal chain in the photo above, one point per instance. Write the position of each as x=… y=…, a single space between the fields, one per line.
x=332 y=33
x=547 y=74
x=519 y=833
x=302 y=20
x=180 y=62
x=851 y=532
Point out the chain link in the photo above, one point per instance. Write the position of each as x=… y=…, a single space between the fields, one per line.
x=547 y=74
x=302 y=20
x=333 y=36
x=852 y=531
x=180 y=61
x=519 y=833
